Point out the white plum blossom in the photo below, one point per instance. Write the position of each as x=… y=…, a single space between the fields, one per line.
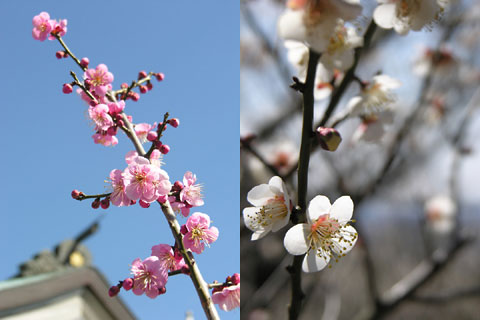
x=297 y=54
x=339 y=54
x=314 y=21
x=375 y=96
x=326 y=232
x=373 y=126
x=272 y=208
x=406 y=15
x=440 y=212
x=441 y=61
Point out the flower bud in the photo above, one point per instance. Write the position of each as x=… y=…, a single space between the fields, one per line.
x=164 y=149
x=328 y=138
x=112 y=131
x=84 y=62
x=185 y=270
x=160 y=76
x=149 y=86
x=142 y=74
x=96 y=203
x=162 y=290
x=162 y=199
x=152 y=136
x=135 y=96
x=183 y=229
x=177 y=186
x=235 y=278
x=113 y=291
x=60 y=54
x=127 y=284
x=144 y=204
x=67 y=88
x=124 y=85
x=75 y=194
x=174 y=122
x=143 y=89
x=105 y=203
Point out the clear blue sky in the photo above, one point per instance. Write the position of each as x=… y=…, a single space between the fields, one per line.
x=47 y=150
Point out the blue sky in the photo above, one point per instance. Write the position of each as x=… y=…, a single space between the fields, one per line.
x=47 y=149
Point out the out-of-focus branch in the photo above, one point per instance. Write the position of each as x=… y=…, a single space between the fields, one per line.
x=247 y=146
x=338 y=93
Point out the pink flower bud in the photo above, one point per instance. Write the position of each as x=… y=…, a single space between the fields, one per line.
x=143 y=89
x=127 y=284
x=177 y=186
x=236 y=278
x=149 y=86
x=132 y=202
x=112 y=131
x=120 y=123
x=67 y=88
x=144 y=204
x=163 y=198
x=174 y=122
x=183 y=229
x=113 y=291
x=158 y=144
x=162 y=290
x=135 y=96
x=75 y=194
x=105 y=203
x=60 y=54
x=84 y=62
x=328 y=138
x=96 y=203
x=65 y=55
x=164 y=149
x=142 y=74
x=124 y=85
x=185 y=270
x=152 y=136
x=160 y=76
x=92 y=103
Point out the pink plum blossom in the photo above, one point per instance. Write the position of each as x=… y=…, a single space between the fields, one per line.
x=130 y=156
x=99 y=114
x=118 y=197
x=179 y=207
x=149 y=276
x=168 y=258
x=228 y=297
x=156 y=158
x=42 y=26
x=59 y=28
x=115 y=108
x=103 y=138
x=145 y=181
x=191 y=193
x=142 y=130
x=199 y=232
x=100 y=79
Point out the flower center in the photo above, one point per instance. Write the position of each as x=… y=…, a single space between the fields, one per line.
x=145 y=279
x=338 y=41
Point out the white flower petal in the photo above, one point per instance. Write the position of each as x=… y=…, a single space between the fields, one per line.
x=259 y=195
x=313 y=263
x=277 y=225
x=291 y=26
x=384 y=15
x=250 y=216
x=295 y=240
x=342 y=209
x=259 y=234
x=349 y=238
x=317 y=207
x=276 y=185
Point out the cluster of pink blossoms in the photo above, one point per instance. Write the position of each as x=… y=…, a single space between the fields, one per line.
x=143 y=180
x=44 y=27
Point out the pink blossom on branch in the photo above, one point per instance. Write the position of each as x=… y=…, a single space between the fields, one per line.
x=99 y=114
x=228 y=297
x=191 y=193
x=59 y=28
x=168 y=258
x=42 y=26
x=118 y=197
x=103 y=138
x=145 y=181
x=199 y=232
x=100 y=79
x=149 y=276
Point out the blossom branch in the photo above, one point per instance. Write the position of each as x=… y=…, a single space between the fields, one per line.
x=197 y=279
x=82 y=86
x=70 y=53
x=304 y=159
x=247 y=145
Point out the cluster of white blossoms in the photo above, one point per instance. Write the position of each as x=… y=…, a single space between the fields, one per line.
x=406 y=15
x=327 y=232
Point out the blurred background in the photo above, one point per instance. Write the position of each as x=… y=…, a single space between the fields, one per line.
x=414 y=187
x=47 y=149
